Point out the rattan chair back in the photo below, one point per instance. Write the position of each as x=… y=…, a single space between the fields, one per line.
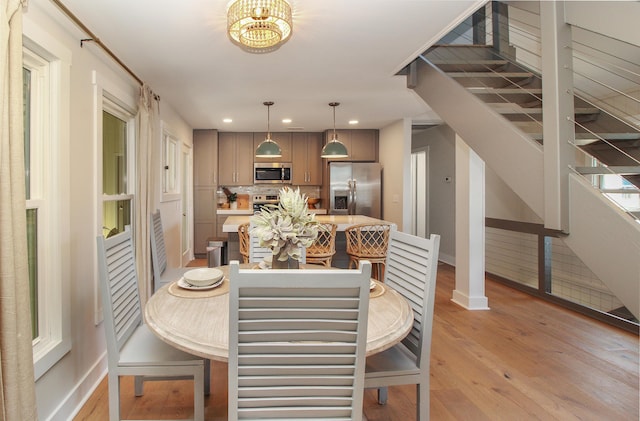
x=323 y=249
x=368 y=242
x=243 y=235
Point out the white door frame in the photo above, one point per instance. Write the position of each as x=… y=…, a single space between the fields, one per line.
x=420 y=192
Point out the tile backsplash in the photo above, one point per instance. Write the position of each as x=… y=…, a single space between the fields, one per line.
x=310 y=191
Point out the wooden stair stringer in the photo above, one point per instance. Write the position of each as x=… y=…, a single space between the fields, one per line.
x=488 y=133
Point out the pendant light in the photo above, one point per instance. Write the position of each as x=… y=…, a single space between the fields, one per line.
x=268 y=148
x=334 y=148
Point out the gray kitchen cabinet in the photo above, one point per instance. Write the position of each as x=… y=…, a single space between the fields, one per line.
x=205 y=159
x=282 y=139
x=307 y=164
x=221 y=219
x=362 y=144
x=235 y=159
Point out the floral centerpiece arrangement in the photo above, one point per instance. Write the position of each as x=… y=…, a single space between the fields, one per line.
x=286 y=227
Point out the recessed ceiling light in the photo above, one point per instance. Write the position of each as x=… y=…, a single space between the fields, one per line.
x=227 y=120
x=286 y=120
x=353 y=121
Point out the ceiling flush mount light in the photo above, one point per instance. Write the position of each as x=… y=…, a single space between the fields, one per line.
x=259 y=26
x=268 y=148
x=334 y=148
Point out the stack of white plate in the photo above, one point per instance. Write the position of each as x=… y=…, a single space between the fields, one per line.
x=203 y=277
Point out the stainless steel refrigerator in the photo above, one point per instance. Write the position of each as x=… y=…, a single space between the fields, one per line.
x=355 y=188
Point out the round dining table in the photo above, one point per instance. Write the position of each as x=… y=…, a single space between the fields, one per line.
x=198 y=321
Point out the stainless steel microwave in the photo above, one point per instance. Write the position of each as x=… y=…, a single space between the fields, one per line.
x=272 y=173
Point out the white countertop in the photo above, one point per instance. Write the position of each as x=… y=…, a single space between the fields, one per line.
x=234 y=212
x=342 y=221
x=250 y=211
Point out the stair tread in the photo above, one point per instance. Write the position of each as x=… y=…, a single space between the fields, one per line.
x=469 y=61
x=587 y=138
x=620 y=191
x=612 y=169
x=511 y=108
x=490 y=74
x=480 y=90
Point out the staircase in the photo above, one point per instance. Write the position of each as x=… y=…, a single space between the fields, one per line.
x=496 y=107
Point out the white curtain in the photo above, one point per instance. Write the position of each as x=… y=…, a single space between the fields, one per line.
x=17 y=385
x=147 y=161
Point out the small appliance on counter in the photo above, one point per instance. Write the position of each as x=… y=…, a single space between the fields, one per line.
x=221 y=198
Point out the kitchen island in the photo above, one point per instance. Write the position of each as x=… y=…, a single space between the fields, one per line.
x=340 y=259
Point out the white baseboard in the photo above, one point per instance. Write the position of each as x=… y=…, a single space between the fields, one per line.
x=78 y=396
x=448 y=259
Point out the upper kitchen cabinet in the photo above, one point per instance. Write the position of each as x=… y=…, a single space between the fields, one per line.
x=307 y=164
x=235 y=155
x=362 y=145
x=282 y=139
x=205 y=158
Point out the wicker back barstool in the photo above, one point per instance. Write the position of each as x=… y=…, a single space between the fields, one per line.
x=368 y=242
x=243 y=238
x=323 y=249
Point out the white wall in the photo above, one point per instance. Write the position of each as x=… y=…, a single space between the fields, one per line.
x=441 y=143
x=501 y=202
x=171 y=210
x=63 y=388
x=395 y=157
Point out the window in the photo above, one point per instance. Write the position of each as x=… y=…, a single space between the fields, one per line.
x=170 y=166
x=117 y=196
x=45 y=152
x=115 y=128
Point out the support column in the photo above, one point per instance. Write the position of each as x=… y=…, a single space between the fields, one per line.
x=557 y=112
x=470 y=226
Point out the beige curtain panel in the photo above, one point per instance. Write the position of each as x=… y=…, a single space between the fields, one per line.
x=17 y=385
x=146 y=160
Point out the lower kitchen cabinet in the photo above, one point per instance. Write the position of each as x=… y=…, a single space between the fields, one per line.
x=205 y=158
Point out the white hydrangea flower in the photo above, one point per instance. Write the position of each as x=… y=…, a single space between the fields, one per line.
x=287 y=226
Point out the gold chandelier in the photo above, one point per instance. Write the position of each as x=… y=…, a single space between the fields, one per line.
x=259 y=26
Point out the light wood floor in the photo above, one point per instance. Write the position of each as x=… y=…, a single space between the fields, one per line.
x=525 y=359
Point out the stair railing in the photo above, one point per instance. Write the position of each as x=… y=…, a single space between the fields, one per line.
x=607 y=85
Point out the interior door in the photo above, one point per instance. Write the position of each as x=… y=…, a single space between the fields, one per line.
x=186 y=214
x=420 y=192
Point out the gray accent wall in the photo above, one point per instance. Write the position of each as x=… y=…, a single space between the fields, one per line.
x=441 y=143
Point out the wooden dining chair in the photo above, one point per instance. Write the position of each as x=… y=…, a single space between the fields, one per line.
x=243 y=239
x=162 y=275
x=297 y=342
x=323 y=249
x=412 y=265
x=368 y=242
x=132 y=349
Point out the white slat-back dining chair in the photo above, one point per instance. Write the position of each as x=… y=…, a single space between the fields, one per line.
x=132 y=349
x=411 y=269
x=162 y=275
x=297 y=342
x=257 y=253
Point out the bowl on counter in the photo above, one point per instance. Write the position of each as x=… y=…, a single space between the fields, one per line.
x=312 y=202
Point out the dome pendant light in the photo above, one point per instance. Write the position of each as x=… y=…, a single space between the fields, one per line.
x=268 y=148
x=334 y=148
